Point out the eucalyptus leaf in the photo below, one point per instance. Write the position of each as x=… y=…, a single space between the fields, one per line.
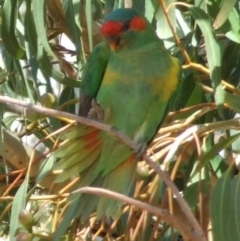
x=213 y=52
x=8 y=28
x=19 y=203
x=225 y=10
x=219 y=208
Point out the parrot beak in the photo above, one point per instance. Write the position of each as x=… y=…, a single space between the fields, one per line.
x=113 y=43
x=113 y=46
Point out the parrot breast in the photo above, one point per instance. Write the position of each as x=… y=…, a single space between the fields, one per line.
x=136 y=88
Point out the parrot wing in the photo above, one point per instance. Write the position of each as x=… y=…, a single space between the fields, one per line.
x=93 y=73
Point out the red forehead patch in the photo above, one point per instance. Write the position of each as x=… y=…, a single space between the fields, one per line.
x=138 y=23
x=111 y=28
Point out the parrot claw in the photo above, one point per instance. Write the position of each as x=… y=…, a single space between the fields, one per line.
x=96 y=112
x=140 y=150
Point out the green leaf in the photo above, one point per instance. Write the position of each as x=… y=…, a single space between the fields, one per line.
x=19 y=204
x=191 y=93
x=201 y=4
x=213 y=53
x=149 y=10
x=39 y=16
x=191 y=193
x=163 y=29
x=183 y=25
x=220 y=209
x=89 y=22
x=225 y=10
x=214 y=150
x=140 y=4
x=66 y=95
x=71 y=10
x=234 y=20
x=39 y=53
x=235 y=207
x=8 y=120
x=27 y=86
x=224 y=208
x=195 y=97
x=230 y=63
x=218 y=165
x=45 y=168
x=68 y=216
x=233 y=101
x=235 y=144
x=219 y=147
x=8 y=26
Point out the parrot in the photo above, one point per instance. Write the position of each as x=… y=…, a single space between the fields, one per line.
x=132 y=78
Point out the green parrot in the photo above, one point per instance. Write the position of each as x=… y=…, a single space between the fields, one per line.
x=132 y=77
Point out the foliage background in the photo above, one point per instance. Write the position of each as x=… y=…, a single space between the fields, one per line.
x=197 y=147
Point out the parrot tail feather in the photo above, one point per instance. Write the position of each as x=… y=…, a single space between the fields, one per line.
x=100 y=160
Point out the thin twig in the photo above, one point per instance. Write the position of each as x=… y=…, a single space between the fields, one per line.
x=184 y=52
x=60 y=114
x=185 y=208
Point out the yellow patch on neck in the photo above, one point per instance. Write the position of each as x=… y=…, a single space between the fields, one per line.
x=168 y=83
x=112 y=76
x=163 y=86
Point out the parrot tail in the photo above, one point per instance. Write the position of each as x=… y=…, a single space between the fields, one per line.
x=100 y=160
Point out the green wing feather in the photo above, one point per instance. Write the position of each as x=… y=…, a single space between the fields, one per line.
x=93 y=73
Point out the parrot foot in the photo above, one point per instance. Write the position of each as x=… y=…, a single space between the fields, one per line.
x=96 y=112
x=140 y=150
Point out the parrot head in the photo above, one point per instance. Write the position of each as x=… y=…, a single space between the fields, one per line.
x=123 y=27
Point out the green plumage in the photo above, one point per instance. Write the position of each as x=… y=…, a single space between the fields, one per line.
x=133 y=84
x=94 y=71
